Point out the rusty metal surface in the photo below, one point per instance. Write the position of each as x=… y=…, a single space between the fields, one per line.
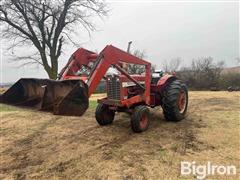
x=66 y=97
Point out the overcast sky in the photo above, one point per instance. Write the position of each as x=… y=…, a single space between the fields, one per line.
x=164 y=30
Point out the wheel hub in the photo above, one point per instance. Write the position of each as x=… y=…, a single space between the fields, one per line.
x=144 y=121
x=182 y=101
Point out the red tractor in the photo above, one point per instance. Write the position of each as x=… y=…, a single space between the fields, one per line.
x=69 y=95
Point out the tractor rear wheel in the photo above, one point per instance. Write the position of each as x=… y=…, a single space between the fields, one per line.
x=104 y=115
x=140 y=119
x=175 y=101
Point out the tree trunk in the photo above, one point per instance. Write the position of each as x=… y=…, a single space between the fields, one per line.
x=52 y=74
x=53 y=70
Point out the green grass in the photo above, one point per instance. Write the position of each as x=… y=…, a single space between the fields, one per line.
x=93 y=104
x=6 y=108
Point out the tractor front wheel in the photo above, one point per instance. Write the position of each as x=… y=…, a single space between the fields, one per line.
x=104 y=115
x=140 y=119
x=175 y=101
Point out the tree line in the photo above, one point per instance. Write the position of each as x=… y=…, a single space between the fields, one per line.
x=204 y=74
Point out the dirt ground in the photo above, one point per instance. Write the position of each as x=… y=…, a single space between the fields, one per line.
x=37 y=145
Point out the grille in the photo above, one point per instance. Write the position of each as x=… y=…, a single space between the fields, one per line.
x=113 y=88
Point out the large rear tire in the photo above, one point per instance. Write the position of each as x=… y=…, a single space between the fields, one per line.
x=140 y=119
x=104 y=115
x=175 y=101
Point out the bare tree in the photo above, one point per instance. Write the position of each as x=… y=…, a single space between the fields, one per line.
x=203 y=74
x=206 y=73
x=47 y=25
x=140 y=54
x=238 y=60
x=135 y=68
x=173 y=65
x=139 y=69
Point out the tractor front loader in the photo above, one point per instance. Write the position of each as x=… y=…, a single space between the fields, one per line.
x=125 y=93
x=66 y=96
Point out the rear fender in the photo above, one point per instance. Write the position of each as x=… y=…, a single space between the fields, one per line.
x=161 y=84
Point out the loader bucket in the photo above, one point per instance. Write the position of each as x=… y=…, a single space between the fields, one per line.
x=66 y=97
x=25 y=92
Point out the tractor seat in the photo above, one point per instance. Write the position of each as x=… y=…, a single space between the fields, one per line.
x=155 y=80
x=156 y=76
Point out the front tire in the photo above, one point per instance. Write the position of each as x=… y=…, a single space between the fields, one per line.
x=175 y=101
x=104 y=115
x=140 y=119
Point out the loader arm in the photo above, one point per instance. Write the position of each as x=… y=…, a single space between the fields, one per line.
x=79 y=58
x=69 y=95
x=112 y=56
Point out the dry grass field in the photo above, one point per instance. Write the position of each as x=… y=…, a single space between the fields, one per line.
x=38 y=145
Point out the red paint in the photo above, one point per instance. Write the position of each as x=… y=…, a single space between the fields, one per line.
x=112 y=56
x=182 y=101
x=144 y=121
